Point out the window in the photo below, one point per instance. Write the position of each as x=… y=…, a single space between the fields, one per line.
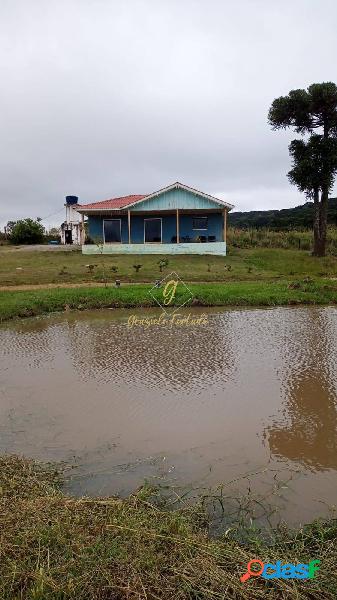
x=200 y=223
x=152 y=230
x=112 y=231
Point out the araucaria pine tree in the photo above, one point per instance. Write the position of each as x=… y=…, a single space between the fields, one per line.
x=313 y=114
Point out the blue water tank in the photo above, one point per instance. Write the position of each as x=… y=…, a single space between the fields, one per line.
x=71 y=199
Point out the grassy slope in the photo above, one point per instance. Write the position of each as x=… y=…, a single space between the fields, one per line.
x=55 y=547
x=30 y=303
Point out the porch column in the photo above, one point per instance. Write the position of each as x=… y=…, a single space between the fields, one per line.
x=225 y=225
x=82 y=230
x=129 y=226
x=178 y=239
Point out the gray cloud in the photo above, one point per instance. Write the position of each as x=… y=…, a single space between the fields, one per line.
x=106 y=97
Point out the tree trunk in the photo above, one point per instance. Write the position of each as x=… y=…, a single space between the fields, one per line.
x=321 y=212
x=316 y=223
x=323 y=208
x=320 y=222
x=323 y=216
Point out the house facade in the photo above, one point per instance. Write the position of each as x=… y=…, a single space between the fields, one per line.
x=174 y=220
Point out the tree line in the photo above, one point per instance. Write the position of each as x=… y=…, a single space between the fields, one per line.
x=300 y=217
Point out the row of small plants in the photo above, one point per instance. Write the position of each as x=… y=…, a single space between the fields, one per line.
x=91 y=268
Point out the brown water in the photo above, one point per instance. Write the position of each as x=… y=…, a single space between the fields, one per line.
x=252 y=393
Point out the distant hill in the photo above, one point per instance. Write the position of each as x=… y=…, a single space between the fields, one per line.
x=300 y=217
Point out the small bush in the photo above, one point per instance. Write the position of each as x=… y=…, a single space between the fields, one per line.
x=91 y=268
x=162 y=264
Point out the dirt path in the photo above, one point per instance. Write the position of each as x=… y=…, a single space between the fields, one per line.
x=89 y=284
x=53 y=286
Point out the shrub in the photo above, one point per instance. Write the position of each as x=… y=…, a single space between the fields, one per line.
x=27 y=231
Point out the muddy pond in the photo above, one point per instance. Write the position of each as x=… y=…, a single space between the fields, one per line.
x=247 y=401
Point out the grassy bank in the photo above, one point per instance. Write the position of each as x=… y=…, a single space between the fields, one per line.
x=29 y=267
x=36 y=302
x=54 y=547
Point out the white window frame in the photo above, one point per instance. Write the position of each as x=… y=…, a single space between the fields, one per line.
x=120 y=231
x=199 y=228
x=161 y=229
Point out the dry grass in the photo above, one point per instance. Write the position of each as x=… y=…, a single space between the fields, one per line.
x=56 y=547
x=294 y=239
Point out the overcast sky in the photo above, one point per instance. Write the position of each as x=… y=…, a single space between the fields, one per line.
x=104 y=98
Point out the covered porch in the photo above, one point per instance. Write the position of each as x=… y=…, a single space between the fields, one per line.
x=177 y=231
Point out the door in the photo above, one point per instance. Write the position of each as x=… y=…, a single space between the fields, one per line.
x=152 y=230
x=68 y=236
x=112 y=231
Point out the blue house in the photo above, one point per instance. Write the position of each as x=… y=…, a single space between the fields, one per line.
x=174 y=220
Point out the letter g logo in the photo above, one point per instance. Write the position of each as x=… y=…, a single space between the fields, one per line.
x=169 y=292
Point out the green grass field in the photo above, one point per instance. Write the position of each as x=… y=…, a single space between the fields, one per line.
x=29 y=267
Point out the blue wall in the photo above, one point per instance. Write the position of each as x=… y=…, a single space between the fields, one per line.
x=215 y=227
x=95 y=229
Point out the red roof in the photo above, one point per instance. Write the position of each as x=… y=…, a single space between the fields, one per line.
x=115 y=203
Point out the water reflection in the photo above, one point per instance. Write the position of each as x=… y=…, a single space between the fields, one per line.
x=106 y=350
x=307 y=431
x=187 y=359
